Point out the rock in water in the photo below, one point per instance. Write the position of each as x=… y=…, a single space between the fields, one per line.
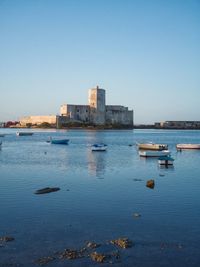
x=92 y=245
x=45 y=260
x=122 y=242
x=150 y=184
x=136 y=215
x=71 y=254
x=6 y=239
x=47 y=190
x=98 y=257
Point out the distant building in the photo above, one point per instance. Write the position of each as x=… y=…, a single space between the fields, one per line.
x=96 y=112
x=37 y=120
x=178 y=125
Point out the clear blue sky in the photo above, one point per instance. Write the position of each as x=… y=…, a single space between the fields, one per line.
x=146 y=54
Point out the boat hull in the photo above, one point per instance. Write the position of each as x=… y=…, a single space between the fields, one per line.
x=23 y=134
x=60 y=142
x=165 y=163
x=154 y=153
x=188 y=146
x=99 y=147
x=152 y=146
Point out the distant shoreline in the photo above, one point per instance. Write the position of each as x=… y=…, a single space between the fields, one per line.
x=135 y=127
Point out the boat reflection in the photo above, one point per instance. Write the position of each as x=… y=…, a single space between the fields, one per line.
x=96 y=164
x=171 y=167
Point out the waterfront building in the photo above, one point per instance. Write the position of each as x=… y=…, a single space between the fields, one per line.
x=38 y=120
x=96 y=112
x=178 y=125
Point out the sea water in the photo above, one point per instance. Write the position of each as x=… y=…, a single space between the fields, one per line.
x=100 y=192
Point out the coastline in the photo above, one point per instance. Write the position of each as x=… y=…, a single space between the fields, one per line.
x=103 y=128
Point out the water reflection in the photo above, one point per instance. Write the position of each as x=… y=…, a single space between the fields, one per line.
x=166 y=211
x=170 y=167
x=96 y=163
x=148 y=159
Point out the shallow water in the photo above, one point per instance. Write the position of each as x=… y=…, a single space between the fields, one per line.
x=100 y=192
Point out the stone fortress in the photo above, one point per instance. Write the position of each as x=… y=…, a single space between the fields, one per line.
x=95 y=113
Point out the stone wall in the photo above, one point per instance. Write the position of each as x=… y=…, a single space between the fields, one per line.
x=119 y=115
x=76 y=112
x=37 y=120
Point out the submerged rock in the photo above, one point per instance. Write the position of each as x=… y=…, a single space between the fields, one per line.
x=11 y=264
x=136 y=215
x=100 y=253
x=104 y=253
x=170 y=246
x=116 y=254
x=71 y=254
x=98 y=257
x=150 y=184
x=122 y=242
x=6 y=239
x=44 y=260
x=92 y=245
x=47 y=190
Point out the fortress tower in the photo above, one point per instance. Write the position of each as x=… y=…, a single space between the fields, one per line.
x=97 y=103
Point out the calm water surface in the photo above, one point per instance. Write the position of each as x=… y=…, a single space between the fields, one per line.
x=99 y=194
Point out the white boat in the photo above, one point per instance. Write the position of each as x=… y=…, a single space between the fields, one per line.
x=166 y=160
x=152 y=146
x=188 y=146
x=23 y=133
x=99 y=147
x=149 y=153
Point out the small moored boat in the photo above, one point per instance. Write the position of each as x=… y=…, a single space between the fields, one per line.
x=154 y=153
x=188 y=146
x=152 y=146
x=24 y=133
x=99 y=147
x=166 y=160
x=59 y=141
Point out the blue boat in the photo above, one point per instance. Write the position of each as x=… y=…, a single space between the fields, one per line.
x=24 y=133
x=59 y=141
